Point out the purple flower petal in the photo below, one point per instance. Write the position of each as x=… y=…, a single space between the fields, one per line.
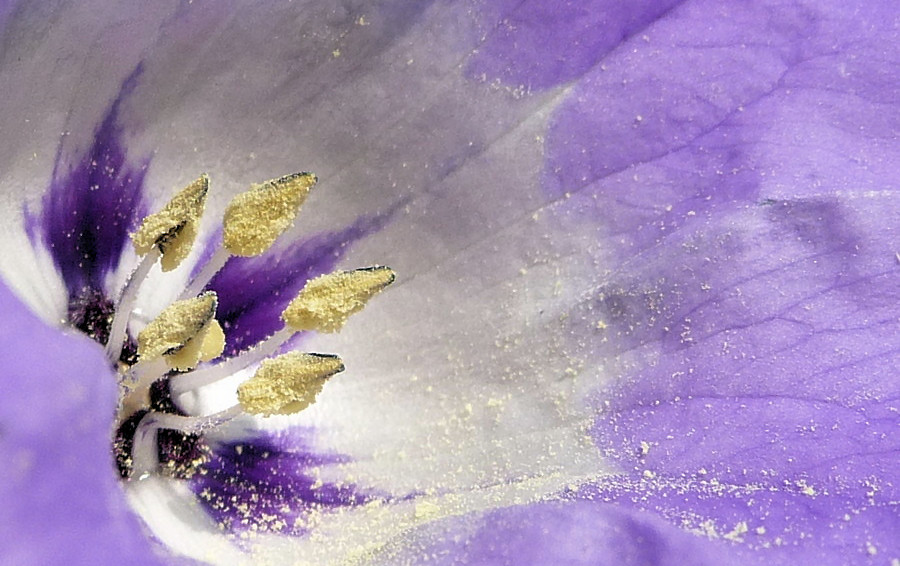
x=773 y=373
x=765 y=522
x=800 y=100
x=739 y=185
x=727 y=164
x=61 y=500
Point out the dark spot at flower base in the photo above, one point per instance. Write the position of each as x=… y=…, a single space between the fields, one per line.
x=267 y=483
x=124 y=442
x=180 y=455
x=92 y=312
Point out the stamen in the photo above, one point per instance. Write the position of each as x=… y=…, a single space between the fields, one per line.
x=326 y=302
x=254 y=220
x=175 y=326
x=287 y=384
x=169 y=234
x=179 y=338
x=186 y=332
x=206 y=273
x=144 y=453
x=185 y=382
x=125 y=304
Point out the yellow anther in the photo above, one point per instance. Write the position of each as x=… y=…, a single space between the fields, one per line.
x=255 y=219
x=206 y=345
x=175 y=326
x=326 y=302
x=174 y=228
x=287 y=384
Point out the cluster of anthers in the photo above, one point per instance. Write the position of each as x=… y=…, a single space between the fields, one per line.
x=186 y=334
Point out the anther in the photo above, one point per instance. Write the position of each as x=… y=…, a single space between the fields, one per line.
x=174 y=228
x=254 y=220
x=180 y=323
x=326 y=302
x=208 y=344
x=287 y=384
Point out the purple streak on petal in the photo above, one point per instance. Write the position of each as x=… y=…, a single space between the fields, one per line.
x=572 y=533
x=93 y=204
x=253 y=291
x=268 y=483
x=61 y=500
x=540 y=45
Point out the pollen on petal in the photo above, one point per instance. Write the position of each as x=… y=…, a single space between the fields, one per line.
x=287 y=384
x=176 y=325
x=174 y=228
x=254 y=219
x=326 y=302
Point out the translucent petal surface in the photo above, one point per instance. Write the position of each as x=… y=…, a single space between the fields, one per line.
x=646 y=255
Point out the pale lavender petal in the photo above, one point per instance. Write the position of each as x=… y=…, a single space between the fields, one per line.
x=577 y=533
x=742 y=179
x=538 y=44
x=62 y=503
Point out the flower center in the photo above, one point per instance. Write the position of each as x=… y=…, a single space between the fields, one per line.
x=181 y=349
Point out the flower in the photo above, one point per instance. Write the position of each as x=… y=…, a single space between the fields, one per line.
x=647 y=291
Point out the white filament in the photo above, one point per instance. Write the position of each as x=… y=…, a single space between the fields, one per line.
x=185 y=382
x=207 y=272
x=145 y=454
x=125 y=304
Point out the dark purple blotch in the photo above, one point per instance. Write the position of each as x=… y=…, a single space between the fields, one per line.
x=92 y=205
x=253 y=291
x=267 y=483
